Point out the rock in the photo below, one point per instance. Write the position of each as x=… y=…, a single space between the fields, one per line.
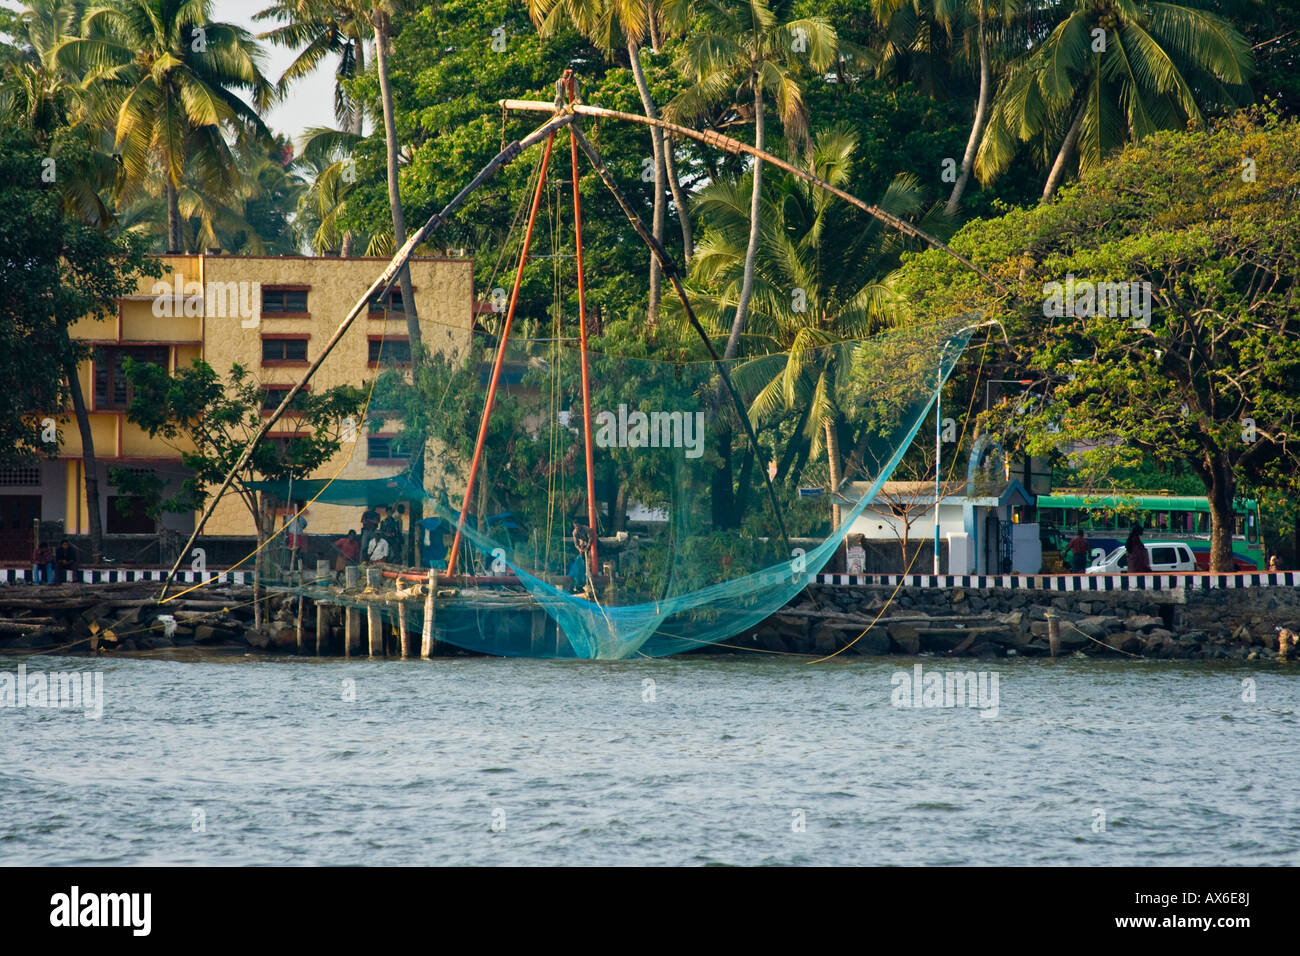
x=873 y=643
x=208 y=634
x=1141 y=622
x=1127 y=641
x=255 y=638
x=1073 y=640
x=1095 y=626
x=941 y=640
x=905 y=638
x=987 y=651
x=1038 y=628
x=285 y=637
x=152 y=642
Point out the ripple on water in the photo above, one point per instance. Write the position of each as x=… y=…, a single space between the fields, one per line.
x=415 y=770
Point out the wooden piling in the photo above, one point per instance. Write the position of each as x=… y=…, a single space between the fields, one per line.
x=297 y=625
x=1053 y=633
x=375 y=626
x=404 y=641
x=351 y=632
x=427 y=640
x=322 y=627
x=538 y=646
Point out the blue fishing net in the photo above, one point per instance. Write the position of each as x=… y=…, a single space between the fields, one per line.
x=691 y=548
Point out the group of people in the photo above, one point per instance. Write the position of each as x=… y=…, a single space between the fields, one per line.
x=380 y=540
x=50 y=564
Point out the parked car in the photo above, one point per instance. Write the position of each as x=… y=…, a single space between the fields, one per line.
x=1166 y=557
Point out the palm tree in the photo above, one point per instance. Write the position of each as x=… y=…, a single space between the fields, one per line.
x=1111 y=72
x=606 y=23
x=821 y=280
x=319 y=29
x=169 y=81
x=740 y=47
x=324 y=164
x=41 y=94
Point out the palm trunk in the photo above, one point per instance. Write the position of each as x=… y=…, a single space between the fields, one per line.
x=661 y=199
x=394 y=193
x=679 y=198
x=1058 y=168
x=833 y=463
x=751 y=252
x=88 y=463
x=174 y=242
x=981 y=119
x=357 y=128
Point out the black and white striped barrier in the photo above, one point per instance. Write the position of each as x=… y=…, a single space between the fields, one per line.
x=125 y=575
x=1071 y=582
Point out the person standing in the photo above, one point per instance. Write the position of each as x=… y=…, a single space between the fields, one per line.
x=349 y=550
x=1078 y=550
x=391 y=528
x=1138 y=560
x=369 y=527
x=43 y=564
x=297 y=539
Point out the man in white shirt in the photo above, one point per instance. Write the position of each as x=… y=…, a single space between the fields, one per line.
x=377 y=550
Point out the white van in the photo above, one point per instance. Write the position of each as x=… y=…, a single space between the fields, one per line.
x=1165 y=557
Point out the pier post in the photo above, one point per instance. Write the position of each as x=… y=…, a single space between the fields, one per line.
x=427 y=641
x=538 y=646
x=403 y=634
x=322 y=627
x=1053 y=633
x=351 y=631
x=297 y=625
x=375 y=625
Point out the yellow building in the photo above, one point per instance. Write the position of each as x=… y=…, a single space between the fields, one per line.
x=272 y=315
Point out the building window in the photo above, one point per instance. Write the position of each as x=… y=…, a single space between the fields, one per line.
x=111 y=390
x=283 y=444
x=273 y=395
x=382 y=448
x=395 y=304
x=290 y=301
x=284 y=351
x=389 y=351
x=10 y=477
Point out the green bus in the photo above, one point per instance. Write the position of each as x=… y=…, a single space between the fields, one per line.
x=1106 y=519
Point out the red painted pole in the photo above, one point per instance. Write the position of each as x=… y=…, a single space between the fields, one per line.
x=500 y=360
x=594 y=567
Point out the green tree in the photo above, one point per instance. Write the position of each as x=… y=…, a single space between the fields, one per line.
x=1111 y=72
x=168 y=79
x=820 y=281
x=1203 y=222
x=210 y=422
x=742 y=47
x=328 y=171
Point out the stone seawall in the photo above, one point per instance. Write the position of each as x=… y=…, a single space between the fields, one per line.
x=1209 y=624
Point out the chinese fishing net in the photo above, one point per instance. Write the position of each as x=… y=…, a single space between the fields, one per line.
x=691 y=547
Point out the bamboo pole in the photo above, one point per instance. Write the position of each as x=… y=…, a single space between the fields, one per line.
x=735 y=146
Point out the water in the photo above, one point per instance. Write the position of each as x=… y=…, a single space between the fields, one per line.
x=260 y=761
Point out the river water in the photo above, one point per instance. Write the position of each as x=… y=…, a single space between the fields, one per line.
x=689 y=760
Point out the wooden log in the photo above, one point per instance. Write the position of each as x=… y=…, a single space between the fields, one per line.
x=427 y=641
x=297 y=625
